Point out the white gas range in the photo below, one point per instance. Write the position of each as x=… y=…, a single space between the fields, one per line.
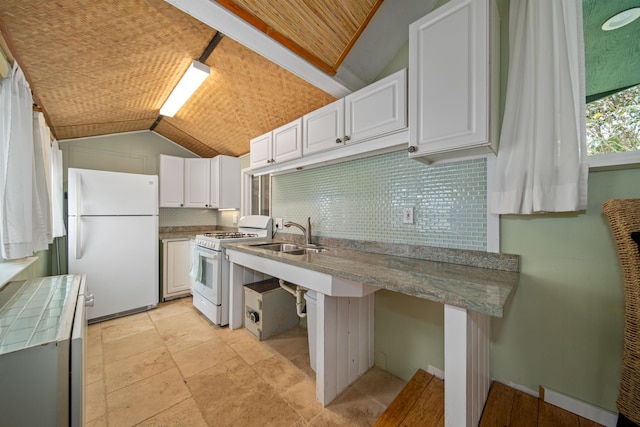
x=210 y=271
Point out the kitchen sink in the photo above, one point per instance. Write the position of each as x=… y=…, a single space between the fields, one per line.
x=277 y=247
x=290 y=248
x=303 y=251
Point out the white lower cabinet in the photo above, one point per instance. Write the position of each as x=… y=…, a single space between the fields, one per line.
x=176 y=264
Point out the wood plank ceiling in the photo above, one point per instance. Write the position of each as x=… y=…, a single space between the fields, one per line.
x=105 y=67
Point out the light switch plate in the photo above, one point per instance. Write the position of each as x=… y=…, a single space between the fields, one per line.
x=407 y=215
x=235 y=218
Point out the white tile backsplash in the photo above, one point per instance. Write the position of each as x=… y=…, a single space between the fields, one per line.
x=363 y=200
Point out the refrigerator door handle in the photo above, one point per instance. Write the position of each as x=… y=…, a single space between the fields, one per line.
x=78 y=195
x=78 y=238
x=78 y=216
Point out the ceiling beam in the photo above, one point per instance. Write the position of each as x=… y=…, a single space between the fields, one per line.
x=219 y=18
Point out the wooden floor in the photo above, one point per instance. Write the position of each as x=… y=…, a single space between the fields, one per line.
x=421 y=403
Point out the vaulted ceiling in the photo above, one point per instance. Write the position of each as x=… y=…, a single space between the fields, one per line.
x=105 y=67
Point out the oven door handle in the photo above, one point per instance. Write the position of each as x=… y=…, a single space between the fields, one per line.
x=196 y=262
x=206 y=253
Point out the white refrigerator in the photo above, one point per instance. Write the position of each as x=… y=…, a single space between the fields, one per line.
x=113 y=239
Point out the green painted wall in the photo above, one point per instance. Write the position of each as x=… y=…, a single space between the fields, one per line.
x=563 y=329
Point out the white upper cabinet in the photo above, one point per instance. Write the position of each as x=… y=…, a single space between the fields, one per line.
x=453 y=82
x=196 y=183
x=279 y=145
x=171 y=178
x=371 y=112
x=376 y=114
x=225 y=183
x=287 y=142
x=200 y=183
x=377 y=109
x=324 y=128
x=260 y=154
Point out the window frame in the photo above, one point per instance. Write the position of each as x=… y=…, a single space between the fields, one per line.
x=623 y=160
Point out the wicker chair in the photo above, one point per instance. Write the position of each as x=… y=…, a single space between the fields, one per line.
x=624 y=218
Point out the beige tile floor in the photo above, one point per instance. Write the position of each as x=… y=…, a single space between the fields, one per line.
x=171 y=367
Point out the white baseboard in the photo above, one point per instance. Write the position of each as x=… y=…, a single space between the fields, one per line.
x=524 y=389
x=438 y=373
x=583 y=409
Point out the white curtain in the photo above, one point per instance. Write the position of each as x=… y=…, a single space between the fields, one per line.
x=27 y=172
x=57 y=215
x=16 y=160
x=541 y=164
x=41 y=211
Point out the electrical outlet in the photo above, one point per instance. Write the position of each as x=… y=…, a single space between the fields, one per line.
x=279 y=223
x=235 y=218
x=407 y=215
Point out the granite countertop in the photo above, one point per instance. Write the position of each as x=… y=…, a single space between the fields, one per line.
x=462 y=284
x=188 y=231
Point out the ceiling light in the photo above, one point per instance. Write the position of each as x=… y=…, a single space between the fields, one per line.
x=188 y=84
x=621 y=19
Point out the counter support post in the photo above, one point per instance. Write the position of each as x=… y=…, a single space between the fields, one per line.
x=236 y=297
x=467 y=337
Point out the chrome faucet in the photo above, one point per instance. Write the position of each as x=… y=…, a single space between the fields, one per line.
x=306 y=231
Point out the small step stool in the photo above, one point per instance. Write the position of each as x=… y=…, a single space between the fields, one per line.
x=422 y=398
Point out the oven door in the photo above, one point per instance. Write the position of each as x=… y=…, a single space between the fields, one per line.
x=205 y=273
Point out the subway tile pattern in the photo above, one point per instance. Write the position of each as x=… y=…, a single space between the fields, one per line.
x=364 y=200
x=173 y=217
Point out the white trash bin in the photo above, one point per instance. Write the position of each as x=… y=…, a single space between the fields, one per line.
x=310 y=299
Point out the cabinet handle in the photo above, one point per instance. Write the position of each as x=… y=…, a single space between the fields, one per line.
x=412 y=149
x=346 y=138
x=338 y=141
x=181 y=204
x=273 y=160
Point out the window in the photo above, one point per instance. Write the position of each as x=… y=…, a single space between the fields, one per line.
x=260 y=194
x=613 y=123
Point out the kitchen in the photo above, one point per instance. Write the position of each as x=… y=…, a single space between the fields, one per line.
x=563 y=327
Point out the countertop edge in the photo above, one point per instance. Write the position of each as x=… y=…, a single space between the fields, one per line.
x=431 y=292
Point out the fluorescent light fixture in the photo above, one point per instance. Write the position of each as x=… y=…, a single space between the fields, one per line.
x=188 y=84
x=621 y=19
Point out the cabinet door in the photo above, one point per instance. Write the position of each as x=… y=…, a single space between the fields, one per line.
x=261 y=151
x=215 y=182
x=225 y=182
x=171 y=181
x=377 y=109
x=178 y=265
x=323 y=129
x=287 y=142
x=449 y=82
x=196 y=183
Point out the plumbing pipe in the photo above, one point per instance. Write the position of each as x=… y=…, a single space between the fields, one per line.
x=298 y=293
